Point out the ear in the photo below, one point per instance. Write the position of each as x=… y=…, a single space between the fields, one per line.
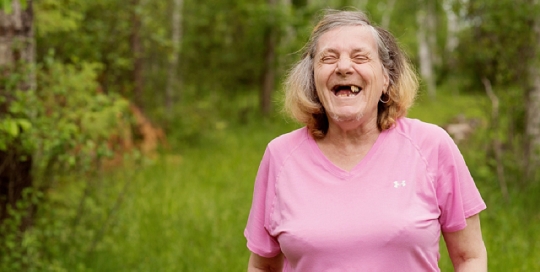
x=386 y=81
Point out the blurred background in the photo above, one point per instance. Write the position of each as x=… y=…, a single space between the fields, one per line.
x=131 y=130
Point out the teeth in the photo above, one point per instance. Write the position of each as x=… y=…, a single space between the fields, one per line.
x=355 y=89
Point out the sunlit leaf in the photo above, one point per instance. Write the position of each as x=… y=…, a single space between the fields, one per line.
x=24 y=124
x=11 y=127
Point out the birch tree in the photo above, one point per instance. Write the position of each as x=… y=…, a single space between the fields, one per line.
x=425 y=51
x=137 y=51
x=17 y=39
x=269 y=69
x=533 y=102
x=16 y=68
x=452 y=27
x=172 y=74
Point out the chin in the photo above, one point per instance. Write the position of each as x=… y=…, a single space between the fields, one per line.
x=346 y=117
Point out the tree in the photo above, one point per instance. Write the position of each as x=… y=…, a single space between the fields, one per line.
x=269 y=69
x=16 y=69
x=176 y=40
x=137 y=50
x=499 y=44
x=426 y=42
x=533 y=101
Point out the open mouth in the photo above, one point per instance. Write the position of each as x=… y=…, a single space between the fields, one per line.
x=346 y=90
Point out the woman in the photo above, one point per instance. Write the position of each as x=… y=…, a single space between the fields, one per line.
x=361 y=187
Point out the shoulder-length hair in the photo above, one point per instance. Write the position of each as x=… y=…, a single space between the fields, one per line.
x=301 y=100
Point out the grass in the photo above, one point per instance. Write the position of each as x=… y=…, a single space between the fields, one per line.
x=186 y=210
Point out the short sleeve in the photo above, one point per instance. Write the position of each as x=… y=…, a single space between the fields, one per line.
x=457 y=194
x=259 y=240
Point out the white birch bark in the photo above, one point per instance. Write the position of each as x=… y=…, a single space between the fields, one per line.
x=173 y=76
x=431 y=31
x=452 y=40
x=269 y=69
x=533 y=106
x=17 y=40
x=424 y=53
x=16 y=58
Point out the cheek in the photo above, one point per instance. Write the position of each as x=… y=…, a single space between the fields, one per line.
x=378 y=79
x=320 y=82
x=318 y=76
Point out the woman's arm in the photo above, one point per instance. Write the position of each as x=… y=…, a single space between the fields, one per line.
x=466 y=247
x=262 y=264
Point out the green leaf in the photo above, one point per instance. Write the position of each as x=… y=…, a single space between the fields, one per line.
x=12 y=128
x=6 y=6
x=24 y=124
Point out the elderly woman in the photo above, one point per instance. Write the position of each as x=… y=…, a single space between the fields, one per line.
x=360 y=187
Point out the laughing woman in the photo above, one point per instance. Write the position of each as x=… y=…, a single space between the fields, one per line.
x=360 y=187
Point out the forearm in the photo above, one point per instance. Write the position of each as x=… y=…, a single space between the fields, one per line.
x=466 y=247
x=262 y=264
x=252 y=268
x=472 y=265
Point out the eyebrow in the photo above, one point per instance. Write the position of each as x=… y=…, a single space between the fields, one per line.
x=356 y=50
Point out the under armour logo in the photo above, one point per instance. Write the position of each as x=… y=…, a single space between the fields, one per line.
x=399 y=183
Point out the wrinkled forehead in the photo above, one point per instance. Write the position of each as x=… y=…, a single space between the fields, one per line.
x=348 y=37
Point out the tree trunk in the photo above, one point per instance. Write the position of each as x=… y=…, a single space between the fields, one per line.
x=431 y=31
x=452 y=40
x=137 y=50
x=453 y=27
x=533 y=106
x=269 y=70
x=173 y=77
x=424 y=52
x=16 y=59
x=17 y=43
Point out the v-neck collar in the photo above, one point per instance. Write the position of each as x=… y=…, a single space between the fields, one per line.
x=321 y=158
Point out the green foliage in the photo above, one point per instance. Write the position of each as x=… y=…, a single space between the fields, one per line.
x=64 y=126
x=88 y=31
x=189 y=217
x=502 y=38
x=14 y=256
x=55 y=16
x=191 y=206
x=6 y=5
x=67 y=225
x=78 y=119
x=66 y=122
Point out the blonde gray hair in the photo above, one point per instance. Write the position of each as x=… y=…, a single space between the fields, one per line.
x=301 y=100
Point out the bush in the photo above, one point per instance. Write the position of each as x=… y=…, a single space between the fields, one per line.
x=64 y=127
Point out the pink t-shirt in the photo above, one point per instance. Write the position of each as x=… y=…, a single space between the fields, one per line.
x=386 y=214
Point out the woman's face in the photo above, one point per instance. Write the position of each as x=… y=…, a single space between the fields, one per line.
x=349 y=77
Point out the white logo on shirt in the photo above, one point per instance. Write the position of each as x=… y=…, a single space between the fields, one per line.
x=399 y=183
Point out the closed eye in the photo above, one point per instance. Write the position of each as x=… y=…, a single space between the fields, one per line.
x=329 y=59
x=360 y=59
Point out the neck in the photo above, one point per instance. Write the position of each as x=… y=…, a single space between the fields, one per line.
x=346 y=143
x=355 y=132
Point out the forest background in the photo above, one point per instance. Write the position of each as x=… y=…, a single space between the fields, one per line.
x=131 y=130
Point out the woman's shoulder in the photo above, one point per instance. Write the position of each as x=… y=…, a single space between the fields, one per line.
x=282 y=147
x=421 y=132
x=416 y=127
x=290 y=139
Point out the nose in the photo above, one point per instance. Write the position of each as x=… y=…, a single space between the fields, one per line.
x=344 y=66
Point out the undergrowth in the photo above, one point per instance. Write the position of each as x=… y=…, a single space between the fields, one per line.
x=186 y=209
